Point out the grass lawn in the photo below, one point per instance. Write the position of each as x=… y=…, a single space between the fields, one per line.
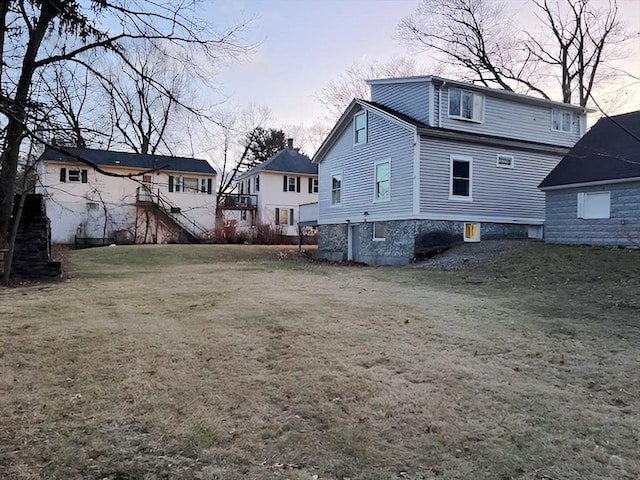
x=225 y=362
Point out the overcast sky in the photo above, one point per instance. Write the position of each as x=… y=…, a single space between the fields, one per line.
x=305 y=44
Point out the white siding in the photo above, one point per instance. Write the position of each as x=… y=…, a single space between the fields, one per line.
x=68 y=203
x=386 y=140
x=512 y=119
x=272 y=196
x=412 y=99
x=508 y=193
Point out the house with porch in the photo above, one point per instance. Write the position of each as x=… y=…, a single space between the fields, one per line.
x=134 y=198
x=271 y=193
x=593 y=194
x=429 y=154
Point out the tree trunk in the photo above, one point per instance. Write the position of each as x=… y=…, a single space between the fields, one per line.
x=8 y=259
x=15 y=124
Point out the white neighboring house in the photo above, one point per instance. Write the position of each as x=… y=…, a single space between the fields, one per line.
x=277 y=187
x=167 y=199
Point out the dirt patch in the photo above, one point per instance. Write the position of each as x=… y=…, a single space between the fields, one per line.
x=226 y=362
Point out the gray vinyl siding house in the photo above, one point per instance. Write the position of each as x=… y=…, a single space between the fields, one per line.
x=593 y=195
x=409 y=162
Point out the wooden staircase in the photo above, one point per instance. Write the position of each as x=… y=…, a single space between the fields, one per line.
x=3 y=252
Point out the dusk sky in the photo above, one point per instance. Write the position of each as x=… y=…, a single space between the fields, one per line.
x=305 y=44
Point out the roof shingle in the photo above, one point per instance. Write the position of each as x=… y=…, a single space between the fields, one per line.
x=609 y=151
x=109 y=158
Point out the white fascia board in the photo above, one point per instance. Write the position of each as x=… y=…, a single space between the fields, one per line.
x=590 y=184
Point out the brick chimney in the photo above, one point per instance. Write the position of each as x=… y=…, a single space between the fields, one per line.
x=290 y=143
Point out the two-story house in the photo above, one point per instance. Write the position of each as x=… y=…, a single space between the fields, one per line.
x=139 y=198
x=277 y=187
x=431 y=154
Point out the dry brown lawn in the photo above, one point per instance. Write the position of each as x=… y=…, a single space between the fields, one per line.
x=224 y=362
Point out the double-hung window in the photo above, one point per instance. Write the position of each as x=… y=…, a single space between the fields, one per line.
x=336 y=189
x=360 y=128
x=466 y=105
x=190 y=184
x=461 y=177
x=561 y=121
x=383 y=182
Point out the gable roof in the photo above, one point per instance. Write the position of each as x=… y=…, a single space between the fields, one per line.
x=490 y=91
x=345 y=119
x=610 y=151
x=426 y=130
x=110 y=158
x=288 y=160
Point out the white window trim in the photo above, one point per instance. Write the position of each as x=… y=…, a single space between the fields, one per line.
x=376 y=199
x=373 y=233
x=504 y=155
x=460 y=117
x=315 y=185
x=582 y=200
x=366 y=128
x=461 y=158
x=331 y=204
x=557 y=110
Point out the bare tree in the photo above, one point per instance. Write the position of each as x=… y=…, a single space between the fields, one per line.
x=35 y=35
x=144 y=117
x=479 y=41
x=337 y=95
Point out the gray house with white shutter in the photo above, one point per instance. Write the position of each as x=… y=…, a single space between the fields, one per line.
x=428 y=154
x=593 y=194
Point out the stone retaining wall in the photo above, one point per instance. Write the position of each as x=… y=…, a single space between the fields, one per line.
x=32 y=254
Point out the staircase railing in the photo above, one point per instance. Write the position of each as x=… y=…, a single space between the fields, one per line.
x=144 y=194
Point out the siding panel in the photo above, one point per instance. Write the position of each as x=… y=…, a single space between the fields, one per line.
x=510 y=193
x=386 y=140
x=621 y=229
x=412 y=99
x=505 y=118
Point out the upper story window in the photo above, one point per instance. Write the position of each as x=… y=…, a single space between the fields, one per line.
x=466 y=105
x=336 y=189
x=256 y=182
x=360 y=128
x=561 y=121
x=383 y=183
x=189 y=184
x=461 y=172
x=291 y=184
x=192 y=185
x=73 y=175
x=313 y=185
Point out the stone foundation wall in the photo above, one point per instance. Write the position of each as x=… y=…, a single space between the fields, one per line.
x=398 y=247
x=332 y=242
x=32 y=253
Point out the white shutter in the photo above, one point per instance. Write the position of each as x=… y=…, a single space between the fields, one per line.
x=580 y=204
x=478 y=104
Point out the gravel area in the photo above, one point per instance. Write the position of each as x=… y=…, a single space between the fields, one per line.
x=465 y=255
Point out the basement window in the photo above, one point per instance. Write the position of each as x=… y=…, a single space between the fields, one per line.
x=379 y=231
